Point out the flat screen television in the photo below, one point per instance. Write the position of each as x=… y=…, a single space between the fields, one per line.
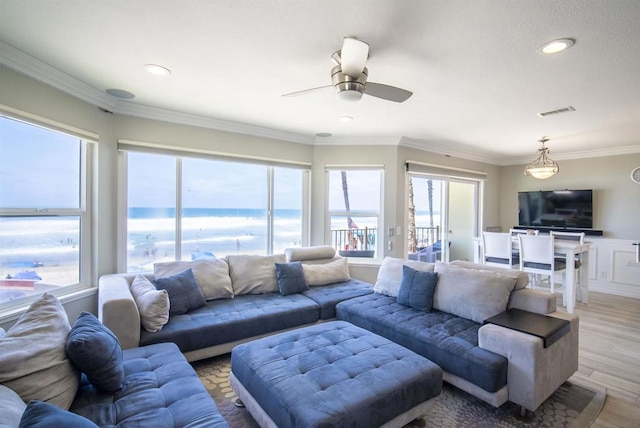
x=571 y=209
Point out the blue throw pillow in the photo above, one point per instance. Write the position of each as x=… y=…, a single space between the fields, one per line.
x=39 y=414
x=184 y=293
x=96 y=351
x=417 y=288
x=291 y=278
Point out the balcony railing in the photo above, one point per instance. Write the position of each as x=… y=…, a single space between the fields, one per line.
x=355 y=242
x=426 y=236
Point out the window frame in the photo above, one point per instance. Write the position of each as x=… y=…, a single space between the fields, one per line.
x=84 y=212
x=380 y=238
x=179 y=155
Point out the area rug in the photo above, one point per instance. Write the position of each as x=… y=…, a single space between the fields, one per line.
x=571 y=405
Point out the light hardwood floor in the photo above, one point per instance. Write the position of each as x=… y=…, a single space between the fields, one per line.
x=610 y=356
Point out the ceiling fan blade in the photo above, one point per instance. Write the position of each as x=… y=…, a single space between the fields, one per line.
x=306 y=91
x=353 y=56
x=386 y=92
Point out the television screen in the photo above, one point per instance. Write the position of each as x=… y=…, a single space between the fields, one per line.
x=556 y=208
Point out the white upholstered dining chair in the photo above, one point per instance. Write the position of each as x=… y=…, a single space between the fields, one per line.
x=497 y=250
x=537 y=257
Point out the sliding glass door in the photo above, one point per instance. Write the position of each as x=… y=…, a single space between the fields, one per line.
x=442 y=217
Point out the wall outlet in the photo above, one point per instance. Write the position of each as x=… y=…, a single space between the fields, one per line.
x=389 y=245
x=390 y=231
x=604 y=275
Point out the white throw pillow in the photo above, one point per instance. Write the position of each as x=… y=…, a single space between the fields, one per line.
x=328 y=273
x=212 y=275
x=254 y=274
x=33 y=360
x=153 y=304
x=390 y=274
x=11 y=408
x=471 y=293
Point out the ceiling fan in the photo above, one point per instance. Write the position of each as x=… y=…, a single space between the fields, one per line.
x=349 y=76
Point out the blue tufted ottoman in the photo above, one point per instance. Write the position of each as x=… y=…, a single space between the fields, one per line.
x=332 y=374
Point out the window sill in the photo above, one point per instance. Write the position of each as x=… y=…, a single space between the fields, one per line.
x=11 y=315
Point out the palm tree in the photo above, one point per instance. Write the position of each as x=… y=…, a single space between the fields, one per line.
x=413 y=239
x=345 y=192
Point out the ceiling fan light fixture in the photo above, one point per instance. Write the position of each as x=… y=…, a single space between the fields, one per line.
x=543 y=167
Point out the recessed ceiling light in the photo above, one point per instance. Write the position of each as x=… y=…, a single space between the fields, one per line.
x=556 y=46
x=345 y=119
x=120 y=93
x=323 y=134
x=157 y=70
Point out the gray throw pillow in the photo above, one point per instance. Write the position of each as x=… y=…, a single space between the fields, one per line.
x=96 y=351
x=33 y=360
x=417 y=289
x=184 y=293
x=471 y=293
x=291 y=278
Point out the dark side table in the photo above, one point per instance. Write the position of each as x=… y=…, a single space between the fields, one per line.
x=549 y=329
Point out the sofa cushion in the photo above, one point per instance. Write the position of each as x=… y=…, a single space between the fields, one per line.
x=95 y=350
x=225 y=321
x=310 y=253
x=446 y=339
x=183 y=290
x=11 y=407
x=328 y=296
x=291 y=278
x=522 y=278
x=161 y=390
x=390 y=274
x=251 y=274
x=153 y=304
x=44 y=415
x=417 y=289
x=327 y=273
x=471 y=293
x=33 y=360
x=212 y=275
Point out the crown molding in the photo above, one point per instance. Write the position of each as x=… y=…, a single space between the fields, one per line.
x=357 y=141
x=25 y=64
x=446 y=150
x=128 y=108
x=32 y=67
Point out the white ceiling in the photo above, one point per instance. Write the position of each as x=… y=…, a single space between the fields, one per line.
x=473 y=66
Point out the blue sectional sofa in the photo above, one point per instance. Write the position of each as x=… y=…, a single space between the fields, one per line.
x=253 y=308
x=494 y=363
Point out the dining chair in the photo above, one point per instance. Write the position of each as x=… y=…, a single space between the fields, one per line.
x=574 y=237
x=497 y=250
x=537 y=257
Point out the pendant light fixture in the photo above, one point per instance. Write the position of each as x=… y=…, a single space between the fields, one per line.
x=543 y=167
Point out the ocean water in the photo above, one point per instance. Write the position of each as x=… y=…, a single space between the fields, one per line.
x=49 y=246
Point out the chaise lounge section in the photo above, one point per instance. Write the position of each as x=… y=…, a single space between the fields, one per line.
x=491 y=362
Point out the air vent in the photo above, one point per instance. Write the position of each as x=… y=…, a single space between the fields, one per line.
x=552 y=112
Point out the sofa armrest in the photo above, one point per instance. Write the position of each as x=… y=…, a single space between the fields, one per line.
x=117 y=309
x=537 y=301
x=534 y=372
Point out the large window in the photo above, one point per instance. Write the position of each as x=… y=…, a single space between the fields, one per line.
x=354 y=211
x=188 y=208
x=44 y=221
